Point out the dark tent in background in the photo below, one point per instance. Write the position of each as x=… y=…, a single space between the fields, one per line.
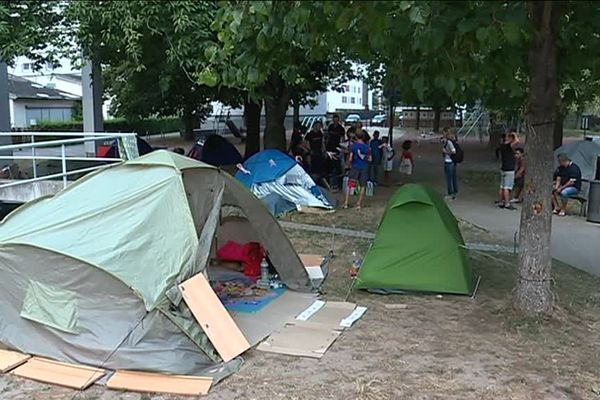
x=112 y=151
x=216 y=151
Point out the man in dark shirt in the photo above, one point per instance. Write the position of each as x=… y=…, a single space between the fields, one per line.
x=567 y=183
x=376 y=153
x=314 y=138
x=335 y=134
x=506 y=151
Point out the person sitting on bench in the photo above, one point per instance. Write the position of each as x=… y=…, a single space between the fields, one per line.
x=567 y=184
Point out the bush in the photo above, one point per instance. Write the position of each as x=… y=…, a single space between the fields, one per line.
x=148 y=126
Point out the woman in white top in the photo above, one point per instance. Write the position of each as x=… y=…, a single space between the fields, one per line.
x=448 y=150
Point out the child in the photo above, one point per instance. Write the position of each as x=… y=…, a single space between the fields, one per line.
x=519 y=175
x=388 y=159
x=407 y=163
x=359 y=167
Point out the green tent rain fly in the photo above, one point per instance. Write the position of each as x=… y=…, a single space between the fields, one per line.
x=418 y=247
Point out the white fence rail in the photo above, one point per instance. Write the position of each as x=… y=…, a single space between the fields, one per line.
x=126 y=143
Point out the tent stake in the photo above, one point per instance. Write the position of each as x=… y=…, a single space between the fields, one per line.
x=350 y=289
x=331 y=249
x=476 y=287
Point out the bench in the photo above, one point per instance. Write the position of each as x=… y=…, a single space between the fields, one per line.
x=581 y=197
x=582 y=203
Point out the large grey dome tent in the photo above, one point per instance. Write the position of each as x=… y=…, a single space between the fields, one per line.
x=583 y=153
x=91 y=274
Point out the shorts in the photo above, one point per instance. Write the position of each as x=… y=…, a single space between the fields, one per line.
x=520 y=182
x=507 y=180
x=359 y=175
x=568 y=192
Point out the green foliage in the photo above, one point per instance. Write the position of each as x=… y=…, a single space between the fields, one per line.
x=148 y=126
x=26 y=27
x=256 y=40
x=151 y=52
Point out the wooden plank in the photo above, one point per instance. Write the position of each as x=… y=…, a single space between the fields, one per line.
x=158 y=383
x=214 y=319
x=11 y=359
x=58 y=373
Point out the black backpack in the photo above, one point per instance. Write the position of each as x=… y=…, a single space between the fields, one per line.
x=459 y=156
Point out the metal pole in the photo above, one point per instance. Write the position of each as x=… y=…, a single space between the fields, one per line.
x=4 y=112
x=63 y=152
x=33 y=157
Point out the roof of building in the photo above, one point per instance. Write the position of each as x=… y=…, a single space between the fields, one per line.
x=21 y=88
x=71 y=77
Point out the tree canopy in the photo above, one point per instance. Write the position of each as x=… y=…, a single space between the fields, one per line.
x=30 y=28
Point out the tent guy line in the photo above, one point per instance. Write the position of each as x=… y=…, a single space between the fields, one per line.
x=370 y=236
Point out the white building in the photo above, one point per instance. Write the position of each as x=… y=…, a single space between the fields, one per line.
x=31 y=103
x=63 y=77
x=354 y=96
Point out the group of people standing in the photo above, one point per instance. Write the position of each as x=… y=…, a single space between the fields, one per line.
x=329 y=156
x=512 y=171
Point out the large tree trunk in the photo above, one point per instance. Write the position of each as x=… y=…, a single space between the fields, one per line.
x=436 y=119
x=558 y=131
x=418 y=122
x=252 y=116
x=276 y=106
x=190 y=122
x=533 y=293
x=296 y=113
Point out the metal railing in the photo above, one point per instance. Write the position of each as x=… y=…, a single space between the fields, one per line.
x=72 y=138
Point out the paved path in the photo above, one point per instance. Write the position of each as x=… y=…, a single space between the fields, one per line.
x=574 y=241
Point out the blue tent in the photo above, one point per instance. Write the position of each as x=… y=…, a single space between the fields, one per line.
x=272 y=172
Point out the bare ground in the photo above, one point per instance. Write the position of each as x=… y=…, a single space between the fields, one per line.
x=439 y=347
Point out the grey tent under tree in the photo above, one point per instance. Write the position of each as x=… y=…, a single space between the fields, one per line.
x=91 y=274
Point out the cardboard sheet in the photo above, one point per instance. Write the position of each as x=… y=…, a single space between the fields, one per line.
x=301 y=339
x=332 y=313
x=258 y=326
x=158 y=383
x=11 y=359
x=58 y=373
x=214 y=319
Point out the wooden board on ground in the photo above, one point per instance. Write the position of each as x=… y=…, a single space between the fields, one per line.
x=11 y=359
x=214 y=319
x=158 y=383
x=301 y=339
x=58 y=373
x=311 y=260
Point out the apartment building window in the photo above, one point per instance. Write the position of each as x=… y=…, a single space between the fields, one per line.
x=346 y=88
x=358 y=90
x=344 y=99
x=352 y=100
x=359 y=100
x=27 y=66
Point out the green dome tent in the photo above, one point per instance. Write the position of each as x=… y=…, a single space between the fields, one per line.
x=418 y=247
